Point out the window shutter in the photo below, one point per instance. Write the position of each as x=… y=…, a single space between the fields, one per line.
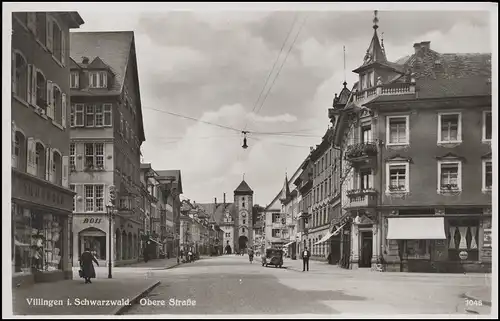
x=13 y=141
x=29 y=83
x=79 y=151
x=33 y=85
x=50 y=33
x=79 y=193
x=30 y=161
x=48 y=168
x=65 y=171
x=64 y=110
x=50 y=99
x=32 y=21
x=63 y=48
x=14 y=85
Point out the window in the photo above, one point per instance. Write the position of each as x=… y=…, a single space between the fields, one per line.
x=366 y=134
x=98 y=79
x=450 y=129
x=487 y=126
x=276 y=232
x=41 y=26
x=243 y=204
x=398 y=177
x=487 y=175
x=99 y=121
x=74 y=79
x=72 y=156
x=57 y=42
x=94 y=155
x=76 y=117
x=73 y=188
x=228 y=234
x=107 y=114
x=89 y=115
x=40 y=160
x=20 y=76
x=94 y=198
x=57 y=104
x=365 y=179
x=16 y=155
x=398 y=130
x=243 y=230
x=41 y=90
x=276 y=218
x=244 y=222
x=449 y=176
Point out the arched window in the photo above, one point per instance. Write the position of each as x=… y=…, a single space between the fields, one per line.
x=20 y=76
x=41 y=90
x=40 y=160
x=57 y=98
x=56 y=169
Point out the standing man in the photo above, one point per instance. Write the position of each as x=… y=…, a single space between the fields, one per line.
x=305 y=259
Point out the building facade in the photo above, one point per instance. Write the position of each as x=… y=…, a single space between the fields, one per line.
x=106 y=136
x=290 y=199
x=422 y=121
x=41 y=199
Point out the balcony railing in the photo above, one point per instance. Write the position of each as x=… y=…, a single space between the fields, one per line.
x=361 y=151
x=362 y=198
x=390 y=89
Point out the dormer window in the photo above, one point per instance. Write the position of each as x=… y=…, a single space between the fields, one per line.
x=98 y=79
x=74 y=80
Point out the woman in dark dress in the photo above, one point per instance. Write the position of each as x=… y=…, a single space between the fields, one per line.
x=88 y=271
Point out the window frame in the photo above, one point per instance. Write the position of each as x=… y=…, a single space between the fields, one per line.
x=77 y=80
x=98 y=84
x=484 y=139
x=16 y=95
x=94 y=155
x=59 y=49
x=459 y=174
x=72 y=157
x=484 y=188
x=388 y=130
x=459 y=128
x=94 y=198
x=388 y=166
x=76 y=112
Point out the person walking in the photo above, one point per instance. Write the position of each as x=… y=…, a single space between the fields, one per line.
x=87 y=268
x=305 y=259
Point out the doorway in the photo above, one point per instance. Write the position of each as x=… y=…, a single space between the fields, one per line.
x=242 y=243
x=365 y=257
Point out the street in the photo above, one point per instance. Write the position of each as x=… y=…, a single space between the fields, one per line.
x=231 y=285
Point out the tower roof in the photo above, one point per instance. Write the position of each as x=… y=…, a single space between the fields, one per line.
x=285 y=191
x=243 y=188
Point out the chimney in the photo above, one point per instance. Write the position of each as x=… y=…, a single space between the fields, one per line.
x=425 y=44
x=85 y=60
x=416 y=46
x=224 y=198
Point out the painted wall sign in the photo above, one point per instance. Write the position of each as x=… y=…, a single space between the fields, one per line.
x=92 y=221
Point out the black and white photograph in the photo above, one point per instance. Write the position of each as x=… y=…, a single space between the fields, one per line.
x=250 y=160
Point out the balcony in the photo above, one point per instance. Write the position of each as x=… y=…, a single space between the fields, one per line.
x=361 y=153
x=362 y=198
x=393 y=89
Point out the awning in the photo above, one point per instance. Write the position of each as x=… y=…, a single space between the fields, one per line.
x=325 y=238
x=416 y=228
x=337 y=231
x=287 y=244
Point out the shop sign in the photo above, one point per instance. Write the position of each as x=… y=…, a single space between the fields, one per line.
x=463 y=255
x=92 y=221
x=487 y=237
x=40 y=193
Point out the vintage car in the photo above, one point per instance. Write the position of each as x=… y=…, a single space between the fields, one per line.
x=273 y=257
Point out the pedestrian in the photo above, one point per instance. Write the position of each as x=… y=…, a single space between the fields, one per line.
x=190 y=256
x=86 y=265
x=305 y=259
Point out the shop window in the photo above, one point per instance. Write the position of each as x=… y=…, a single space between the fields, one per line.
x=46 y=241
x=463 y=236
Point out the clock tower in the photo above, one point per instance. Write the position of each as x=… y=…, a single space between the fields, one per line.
x=243 y=229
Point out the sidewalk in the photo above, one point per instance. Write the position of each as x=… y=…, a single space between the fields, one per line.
x=319 y=267
x=62 y=298
x=157 y=264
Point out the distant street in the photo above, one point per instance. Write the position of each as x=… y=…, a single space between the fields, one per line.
x=231 y=285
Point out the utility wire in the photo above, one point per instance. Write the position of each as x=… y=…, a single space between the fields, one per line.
x=274 y=65
x=282 y=64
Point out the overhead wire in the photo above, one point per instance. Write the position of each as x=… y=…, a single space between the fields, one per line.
x=274 y=65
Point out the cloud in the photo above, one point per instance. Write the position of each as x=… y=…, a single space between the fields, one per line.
x=212 y=66
x=287 y=118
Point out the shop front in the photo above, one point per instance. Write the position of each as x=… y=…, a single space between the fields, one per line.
x=40 y=230
x=91 y=232
x=127 y=240
x=440 y=244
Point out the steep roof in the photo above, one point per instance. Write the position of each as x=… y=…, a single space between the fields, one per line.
x=343 y=97
x=218 y=212
x=97 y=63
x=164 y=174
x=450 y=75
x=112 y=47
x=243 y=188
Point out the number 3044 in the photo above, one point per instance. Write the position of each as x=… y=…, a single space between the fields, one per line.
x=476 y=303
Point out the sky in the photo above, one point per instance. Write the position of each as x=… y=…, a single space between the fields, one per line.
x=212 y=66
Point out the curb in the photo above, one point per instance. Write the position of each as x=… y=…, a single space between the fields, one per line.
x=475 y=298
x=168 y=268
x=135 y=299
